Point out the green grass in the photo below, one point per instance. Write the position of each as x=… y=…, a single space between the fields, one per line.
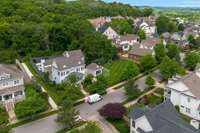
x=35 y=102
x=154 y=100
x=186 y=118
x=121 y=125
x=3 y=116
x=118 y=71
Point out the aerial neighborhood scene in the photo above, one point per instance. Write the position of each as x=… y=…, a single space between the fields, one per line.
x=99 y=66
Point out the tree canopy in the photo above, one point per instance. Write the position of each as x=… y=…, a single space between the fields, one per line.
x=49 y=27
x=192 y=59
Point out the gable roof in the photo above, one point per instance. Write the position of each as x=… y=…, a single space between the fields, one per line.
x=164 y=119
x=128 y=37
x=12 y=70
x=140 y=51
x=150 y=42
x=190 y=82
x=93 y=66
x=103 y=28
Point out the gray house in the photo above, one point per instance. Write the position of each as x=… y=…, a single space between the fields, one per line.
x=162 y=119
x=61 y=67
x=11 y=84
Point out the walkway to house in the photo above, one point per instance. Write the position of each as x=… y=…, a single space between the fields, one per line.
x=9 y=105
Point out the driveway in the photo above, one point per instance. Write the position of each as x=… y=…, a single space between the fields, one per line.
x=87 y=112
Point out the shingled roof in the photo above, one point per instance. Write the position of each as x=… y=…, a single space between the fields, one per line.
x=137 y=51
x=163 y=119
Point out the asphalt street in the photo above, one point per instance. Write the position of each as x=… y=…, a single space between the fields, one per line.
x=87 y=112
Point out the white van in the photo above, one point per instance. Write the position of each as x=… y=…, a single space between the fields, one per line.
x=93 y=98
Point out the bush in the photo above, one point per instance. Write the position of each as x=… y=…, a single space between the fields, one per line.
x=33 y=104
x=149 y=81
x=3 y=116
x=112 y=111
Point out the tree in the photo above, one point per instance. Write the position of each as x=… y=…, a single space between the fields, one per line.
x=149 y=81
x=173 y=52
x=164 y=24
x=181 y=27
x=132 y=90
x=88 y=80
x=67 y=116
x=192 y=42
x=170 y=67
x=112 y=111
x=159 y=52
x=198 y=41
x=147 y=62
x=141 y=34
x=122 y=26
x=101 y=52
x=192 y=59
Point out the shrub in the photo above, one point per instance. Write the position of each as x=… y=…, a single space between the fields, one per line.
x=149 y=81
x=3 y=116
x=112 y=111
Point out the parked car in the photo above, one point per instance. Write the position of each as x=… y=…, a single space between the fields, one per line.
x=93 y=98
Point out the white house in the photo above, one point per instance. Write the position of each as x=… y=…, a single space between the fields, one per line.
x=184 y=92
x=94 y=69
x=126 y=42
x=162 y=119
x=147 y=25
x=108 y=31
x=61 y=67
x=11 y=84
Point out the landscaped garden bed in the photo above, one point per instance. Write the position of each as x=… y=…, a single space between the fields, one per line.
x=150 y=100
x=3 y=116
x=36 y=102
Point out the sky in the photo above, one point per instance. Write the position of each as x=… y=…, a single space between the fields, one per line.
x=162 y=3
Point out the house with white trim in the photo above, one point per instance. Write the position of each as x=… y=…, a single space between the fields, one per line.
x=61 y=67
x=161 y=119
x=11 y=84
x=184 y=92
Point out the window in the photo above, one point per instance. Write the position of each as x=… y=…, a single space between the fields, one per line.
x=188 y=110
x=16 y=82
x=58 y=73
x=18 y=93
x=133 y=123
x=188 y=99
x=0 y=98
x=182 y=106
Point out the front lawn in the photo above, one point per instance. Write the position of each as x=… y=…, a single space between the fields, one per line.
x=120 y=70
x=3 y=116
x=120 y=124
x=35 y=102
x=114 y=72
x=160 y=91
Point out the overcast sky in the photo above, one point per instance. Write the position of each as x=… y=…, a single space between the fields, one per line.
x=171 y=3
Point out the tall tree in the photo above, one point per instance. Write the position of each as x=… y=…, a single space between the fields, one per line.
x=147 y=62
x=141 y=34
x=170 y=67
x=160 y=52
x=67 y=115
x=173 y=51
